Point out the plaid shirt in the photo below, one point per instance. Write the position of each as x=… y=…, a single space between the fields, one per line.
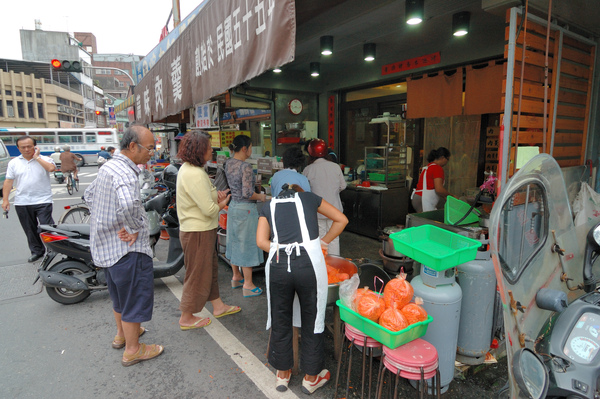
x=114 y=201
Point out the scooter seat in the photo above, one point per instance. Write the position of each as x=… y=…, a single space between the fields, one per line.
x=83 y=229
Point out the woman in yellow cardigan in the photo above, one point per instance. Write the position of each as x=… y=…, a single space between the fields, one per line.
x=198 y=206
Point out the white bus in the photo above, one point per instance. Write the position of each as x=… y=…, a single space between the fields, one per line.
x=83 y=142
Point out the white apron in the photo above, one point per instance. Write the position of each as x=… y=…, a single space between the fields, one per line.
x=313 y=249
x=429 y=198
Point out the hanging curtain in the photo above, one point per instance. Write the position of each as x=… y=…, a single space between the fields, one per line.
x=436 y=96
x=483 y=91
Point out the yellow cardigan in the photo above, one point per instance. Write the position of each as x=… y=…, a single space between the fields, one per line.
x=197 y=206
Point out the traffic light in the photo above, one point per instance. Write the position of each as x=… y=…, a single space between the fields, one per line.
x=98 y=112
x=66 y=66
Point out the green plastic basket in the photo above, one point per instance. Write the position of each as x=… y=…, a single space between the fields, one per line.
x=435 y=247
x=381 y=334
x=455 y=209
x=381 y=176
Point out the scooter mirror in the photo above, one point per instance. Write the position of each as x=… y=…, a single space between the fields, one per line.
x=592 y=250
x=530 y=374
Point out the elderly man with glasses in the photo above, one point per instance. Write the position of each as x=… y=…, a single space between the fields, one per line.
x=120 y=242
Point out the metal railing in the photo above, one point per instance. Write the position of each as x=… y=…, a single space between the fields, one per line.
x=55 y=83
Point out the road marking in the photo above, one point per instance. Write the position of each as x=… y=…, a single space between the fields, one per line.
x=258 y=373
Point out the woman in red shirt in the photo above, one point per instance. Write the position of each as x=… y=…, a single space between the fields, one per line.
x=425 y=198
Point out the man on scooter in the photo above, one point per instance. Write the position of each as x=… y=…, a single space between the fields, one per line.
x=119 y=242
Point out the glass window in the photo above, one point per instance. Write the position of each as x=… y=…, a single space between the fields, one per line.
x=523 y=229
x=8 y=92
x=21 y=109
x=30 y=95
x=38 y=95
x=40 y=107
x=8 y=140
x=48 y=139
x=9 y=109
x=1 y=108
x=65 y=118
x=77 y=139
x=3 y=152
x=90 y=138
x=38 y=139
x=30 y=110
x=19 y=94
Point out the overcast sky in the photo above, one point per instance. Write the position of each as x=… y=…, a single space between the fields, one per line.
x=120 y=26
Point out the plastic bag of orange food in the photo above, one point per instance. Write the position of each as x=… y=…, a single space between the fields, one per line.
x=414 y=312
x=371 y=306
x=398 y=292
x=393 y=320
x=359 y=294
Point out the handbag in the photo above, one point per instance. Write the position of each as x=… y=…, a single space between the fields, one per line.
x=221 y=179
x=101 y=160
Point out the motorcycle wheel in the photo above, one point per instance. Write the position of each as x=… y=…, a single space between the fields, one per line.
x=63 y=295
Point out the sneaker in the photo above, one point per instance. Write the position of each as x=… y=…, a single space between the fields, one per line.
x=310 y=387
x=282 y=383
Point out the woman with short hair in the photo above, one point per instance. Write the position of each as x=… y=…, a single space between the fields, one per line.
x=198 y=206
x=431 y=182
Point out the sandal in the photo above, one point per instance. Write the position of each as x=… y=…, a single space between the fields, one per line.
x=119 y=342
x=237 y=283
x=146 y=352
x=195 y=325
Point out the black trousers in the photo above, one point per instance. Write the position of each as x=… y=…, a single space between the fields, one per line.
x=29 y=216
x=283 y=285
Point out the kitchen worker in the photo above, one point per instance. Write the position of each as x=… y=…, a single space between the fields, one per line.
x=431 y=182
x=296 y=280
x=327 y=181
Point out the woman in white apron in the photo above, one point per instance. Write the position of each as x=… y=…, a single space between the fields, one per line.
x=296 y=281
x=431 y=182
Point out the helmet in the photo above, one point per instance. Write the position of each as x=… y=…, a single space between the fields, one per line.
x=56 y=149
x=169 y=176
x=66 y=148
x=317 y=148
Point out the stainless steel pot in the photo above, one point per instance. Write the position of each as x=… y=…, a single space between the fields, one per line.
x=221 y=241
x=388 y=244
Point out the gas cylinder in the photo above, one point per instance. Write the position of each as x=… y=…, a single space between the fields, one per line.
x=478 y=283
x=442 y=300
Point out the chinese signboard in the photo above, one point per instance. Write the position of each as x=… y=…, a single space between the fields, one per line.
x=112 y=117
x=229 y=42
x=413 y=63
x=207 y=116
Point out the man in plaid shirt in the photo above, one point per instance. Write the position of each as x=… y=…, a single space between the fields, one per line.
x=120 y=242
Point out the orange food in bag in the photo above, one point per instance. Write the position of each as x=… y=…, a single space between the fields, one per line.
x=393 y=320
x=414 y=312
x=371 y=306
x=359 y=294
x=398 y=292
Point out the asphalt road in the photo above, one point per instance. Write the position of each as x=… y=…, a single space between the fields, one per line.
x=52 y=350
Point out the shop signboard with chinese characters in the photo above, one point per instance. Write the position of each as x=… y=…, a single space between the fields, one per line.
x=227 y=43
x=112 y=117
x=207 y=116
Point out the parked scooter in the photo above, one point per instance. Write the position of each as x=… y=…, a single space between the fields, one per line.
x=73 y=278
x=548 y=285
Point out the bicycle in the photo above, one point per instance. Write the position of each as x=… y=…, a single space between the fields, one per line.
x=71 y=183
x=76 y=214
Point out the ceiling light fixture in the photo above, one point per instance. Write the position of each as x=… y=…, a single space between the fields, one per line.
x=315 y=69
x=326 y=45
x=277 y=70
x=460 y=23
x=369 y=51
x=414 y=11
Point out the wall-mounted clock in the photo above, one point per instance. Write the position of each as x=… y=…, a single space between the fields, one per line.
x=295 y=106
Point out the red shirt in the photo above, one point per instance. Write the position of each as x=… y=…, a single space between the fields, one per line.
x=434 y=171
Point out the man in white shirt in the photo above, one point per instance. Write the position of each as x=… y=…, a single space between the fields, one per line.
x=30 y=173
x=327 y=181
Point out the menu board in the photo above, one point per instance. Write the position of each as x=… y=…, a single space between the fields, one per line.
x=264 y=165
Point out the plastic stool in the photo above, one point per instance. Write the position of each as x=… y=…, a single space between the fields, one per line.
x=353 y=337
x=416 y=360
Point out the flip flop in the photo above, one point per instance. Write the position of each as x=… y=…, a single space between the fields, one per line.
x=195 y=325
x=231 y=310
x=237 y=283
x=119 y=342
x=146 y=352
x=254 y=292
